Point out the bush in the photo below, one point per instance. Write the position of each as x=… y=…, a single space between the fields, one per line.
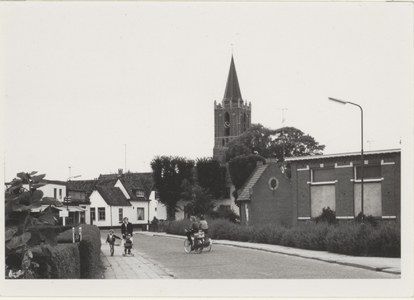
x=64 y=263
x=268 y=234
x=89 y=249
x=347 y=238
x=327 y=216
x=312 y=236
x=223 y=213
x=222 y=229
x=178 y=227
x=365 y=240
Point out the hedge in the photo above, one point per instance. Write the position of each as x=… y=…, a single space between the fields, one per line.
x=89 y=249
x=348 y=238
x=64 y=263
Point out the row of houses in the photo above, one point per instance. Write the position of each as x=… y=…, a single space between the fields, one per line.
x=105 y=201
x=269 y=196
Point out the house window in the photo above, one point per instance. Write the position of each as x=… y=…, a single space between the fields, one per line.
x=93 y=216
x=370 y=172
x=60 y=193
x=140 y=213
x=121 y=215
x=139 y=193
x=55 y=193
x=101 y=213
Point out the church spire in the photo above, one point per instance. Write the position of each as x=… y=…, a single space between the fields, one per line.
x=232 y=92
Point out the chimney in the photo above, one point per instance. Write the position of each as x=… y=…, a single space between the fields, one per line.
x=120 y=171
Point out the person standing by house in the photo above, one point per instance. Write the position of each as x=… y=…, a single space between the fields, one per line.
x=126 y=228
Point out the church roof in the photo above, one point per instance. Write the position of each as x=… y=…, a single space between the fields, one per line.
x=232 y=92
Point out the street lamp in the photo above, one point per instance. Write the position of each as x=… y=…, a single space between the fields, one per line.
x=67 y=195
x=362 y=151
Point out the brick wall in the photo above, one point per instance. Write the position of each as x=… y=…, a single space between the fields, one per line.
x=271 y=206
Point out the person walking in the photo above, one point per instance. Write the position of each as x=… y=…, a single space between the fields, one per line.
x=126 y=228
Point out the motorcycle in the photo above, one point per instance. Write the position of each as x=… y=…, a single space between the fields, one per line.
x=200 y=243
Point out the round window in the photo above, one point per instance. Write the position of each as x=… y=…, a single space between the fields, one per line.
x=273 y=183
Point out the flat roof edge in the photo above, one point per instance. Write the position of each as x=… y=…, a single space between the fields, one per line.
x=311 y=157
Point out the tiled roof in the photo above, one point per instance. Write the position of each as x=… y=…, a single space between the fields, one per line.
x=138 y=181
x=81 y=185
x=250 y=182
x=131 y=182
x=113 y=196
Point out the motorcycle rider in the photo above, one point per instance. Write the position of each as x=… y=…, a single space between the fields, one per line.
x=193 y=228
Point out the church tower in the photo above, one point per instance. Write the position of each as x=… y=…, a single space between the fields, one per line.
x=231 y=117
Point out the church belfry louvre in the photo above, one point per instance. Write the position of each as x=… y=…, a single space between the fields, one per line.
x=232 y=116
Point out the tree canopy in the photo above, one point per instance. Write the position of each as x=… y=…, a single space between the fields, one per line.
x=169 y=174
x=276 y=143
x=211 y=176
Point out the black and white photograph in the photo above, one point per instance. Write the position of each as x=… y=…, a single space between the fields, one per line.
x=207 y=149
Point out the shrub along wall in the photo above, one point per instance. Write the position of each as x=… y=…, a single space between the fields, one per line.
x=346 y=238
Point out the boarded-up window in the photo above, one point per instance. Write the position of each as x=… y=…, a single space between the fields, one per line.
x=372 y=199
x=320 y=175
x=322 y=196
x=370 y=172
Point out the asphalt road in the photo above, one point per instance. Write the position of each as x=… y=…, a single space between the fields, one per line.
x=227 y=262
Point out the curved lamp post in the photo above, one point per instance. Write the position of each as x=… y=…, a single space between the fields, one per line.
x=362 y=151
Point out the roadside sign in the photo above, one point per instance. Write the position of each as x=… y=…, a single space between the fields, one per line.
x=67 y=199
x=63 y=213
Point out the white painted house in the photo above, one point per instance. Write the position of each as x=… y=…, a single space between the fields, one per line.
x=116 y=196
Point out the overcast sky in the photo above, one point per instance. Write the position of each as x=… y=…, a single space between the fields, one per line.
x=97 y=87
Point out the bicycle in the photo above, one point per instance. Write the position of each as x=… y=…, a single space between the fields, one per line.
x=199 y=243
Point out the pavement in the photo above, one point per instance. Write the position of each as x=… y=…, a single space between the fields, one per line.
x=138 y=266
x=141 y=267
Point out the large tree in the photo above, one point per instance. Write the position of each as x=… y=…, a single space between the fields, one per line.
x=169 y=174
x=277 y=143
x=199 y=199
x=211 y=176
